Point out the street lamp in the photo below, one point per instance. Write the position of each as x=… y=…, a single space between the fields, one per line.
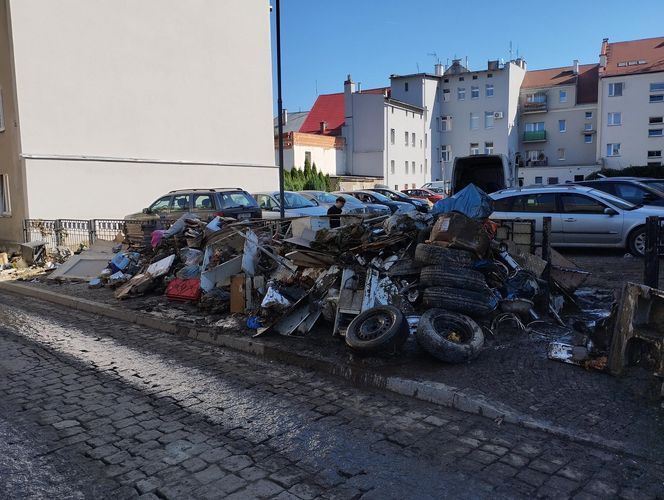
x=280 y=110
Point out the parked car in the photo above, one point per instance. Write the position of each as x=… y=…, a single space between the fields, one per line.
x=377 y=198
x=295 y=205
x=372 y=208
x=441 y=187
x=580 y=216
x=420 y=205
x=424 y=194
x=204 y=203
x=353 y=205
x=632 y=189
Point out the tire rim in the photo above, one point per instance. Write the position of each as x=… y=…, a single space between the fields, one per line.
x=375 y=325
x=444 y=326
x=640 y=243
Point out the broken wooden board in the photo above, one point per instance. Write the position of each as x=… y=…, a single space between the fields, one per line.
x=238 y=296
x=565 y=272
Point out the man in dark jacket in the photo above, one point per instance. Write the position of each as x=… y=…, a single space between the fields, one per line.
x=336 y=209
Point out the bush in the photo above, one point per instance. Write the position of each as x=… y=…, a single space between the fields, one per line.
x=646 y=171
x=308 y=178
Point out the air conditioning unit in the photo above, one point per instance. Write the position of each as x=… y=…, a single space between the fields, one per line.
x=498 y=115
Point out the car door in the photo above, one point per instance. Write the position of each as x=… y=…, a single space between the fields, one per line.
x=586 y=223
x=535 y=206
x=267 y=203
x=204 y=205
x=180 y=205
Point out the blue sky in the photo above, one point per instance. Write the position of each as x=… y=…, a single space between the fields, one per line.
x=323 y=41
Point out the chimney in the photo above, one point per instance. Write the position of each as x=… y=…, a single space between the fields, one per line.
x=493 y=65
x=439 y=69
x=603 y=56
x=359 y=87
x=575 y=67
x=323 y=127
x=284 y=117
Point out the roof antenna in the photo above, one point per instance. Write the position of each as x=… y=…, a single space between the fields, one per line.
x=435 y=56
x=316 y=86
x=510 y=50
x=418 y=67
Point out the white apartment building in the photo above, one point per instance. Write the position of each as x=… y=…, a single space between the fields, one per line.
x=631 y=103
x=558 y=124
x=108 y=105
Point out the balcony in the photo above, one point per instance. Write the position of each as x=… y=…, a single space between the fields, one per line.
x=535 y=136
x=536 y=103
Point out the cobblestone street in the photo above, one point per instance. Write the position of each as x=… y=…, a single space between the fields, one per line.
x=97 y=408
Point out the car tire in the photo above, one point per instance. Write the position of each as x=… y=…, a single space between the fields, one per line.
x=430 y=255
x=434 y=331
x=405 y=267
x=453 y=277
x=470 y=302
x=636 y=241
x=381 y=328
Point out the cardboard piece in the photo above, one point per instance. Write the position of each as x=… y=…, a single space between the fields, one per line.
x=238 y=295
x=459 y=231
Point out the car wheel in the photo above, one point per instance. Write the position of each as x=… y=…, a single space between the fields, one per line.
x=470 y=302
x=452 y=276
x=636 y=242
x=380 y=328
x=448 y=336
x=430 y=255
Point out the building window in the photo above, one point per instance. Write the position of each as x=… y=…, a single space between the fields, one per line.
x=405 y=86
x=426 y=140
x=656 y=97
x=654 y=163
x=307 y=157
x=426 y=166
x=488 y=119
x=406 y=166
x=406 y=136
x=461 y=93
x=655 y=120
x=614 y=119
x=446 y=95
x=656 y=132
x=446 y=122
x=488 y=148
x=655 y=154
x=562 y=125
x=587 y=126
x=392 y=167
x=535 y=127
x=5 y=206
x=474 y=148
x=588 y=138
x=474 y=121
x=538 y=180
x=474 y=77
x=413 y=166
x=613 y=149
x=412 y=139
x=561 y=153
x=589 y=115
x=657 y=87
x=552 y=180
x=421 y=170
x=537 y=98
x=615 y=89
x=445 y=153
x=578 y=178
x=489 y=89
x=562 y=96
x=461 y=78
x=392 y=135
x=474 y=92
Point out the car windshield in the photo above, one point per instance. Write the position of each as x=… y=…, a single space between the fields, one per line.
x=394 y=195
x=237 y=199
x=614 y=200
x=325 y=197
x=379 y=197
x=436 y=190
x=656 y=184
x=295 y=200
x=350 y=199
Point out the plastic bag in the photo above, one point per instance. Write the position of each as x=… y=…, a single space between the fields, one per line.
x=274 y=299
x=250 y=255
x=191 y=256
x=189 y=272
x=470 y=201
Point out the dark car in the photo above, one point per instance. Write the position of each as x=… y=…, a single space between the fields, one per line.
x=630 y=189
x=420 y=205
x=377 y=198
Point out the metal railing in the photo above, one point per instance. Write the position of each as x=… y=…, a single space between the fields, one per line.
x=72 y=233
x=534 y=136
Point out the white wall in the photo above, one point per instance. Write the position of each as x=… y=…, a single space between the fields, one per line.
x=404 y=120
x=328 y=160
x=368 y=135
x=530 y=175
x=636 y=109
x=87 y=190
x=154 y=79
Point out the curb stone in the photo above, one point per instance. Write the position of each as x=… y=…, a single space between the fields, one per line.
x=429 y=391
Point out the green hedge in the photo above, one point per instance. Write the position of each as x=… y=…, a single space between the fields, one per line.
x=656 y=172
x=308 y=178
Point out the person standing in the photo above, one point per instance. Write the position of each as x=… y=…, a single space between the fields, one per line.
x=336 y=209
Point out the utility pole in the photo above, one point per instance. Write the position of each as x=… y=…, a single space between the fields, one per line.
x=280 y=107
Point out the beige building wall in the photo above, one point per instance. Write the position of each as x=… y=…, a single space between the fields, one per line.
x=160 y=94
x=11 y=223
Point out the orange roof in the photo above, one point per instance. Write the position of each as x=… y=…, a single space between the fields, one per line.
x=633 y=57
x=330 y=108
x=585 y=81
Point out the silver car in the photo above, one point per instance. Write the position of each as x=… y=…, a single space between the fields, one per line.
x=580 y=216
x=353 y=205
x=295 y=205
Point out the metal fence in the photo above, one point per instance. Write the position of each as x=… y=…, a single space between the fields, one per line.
x=71 y=233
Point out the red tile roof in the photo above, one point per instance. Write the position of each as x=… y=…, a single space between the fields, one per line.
x=633 y=57
x=586 y=82
x=330 y=108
